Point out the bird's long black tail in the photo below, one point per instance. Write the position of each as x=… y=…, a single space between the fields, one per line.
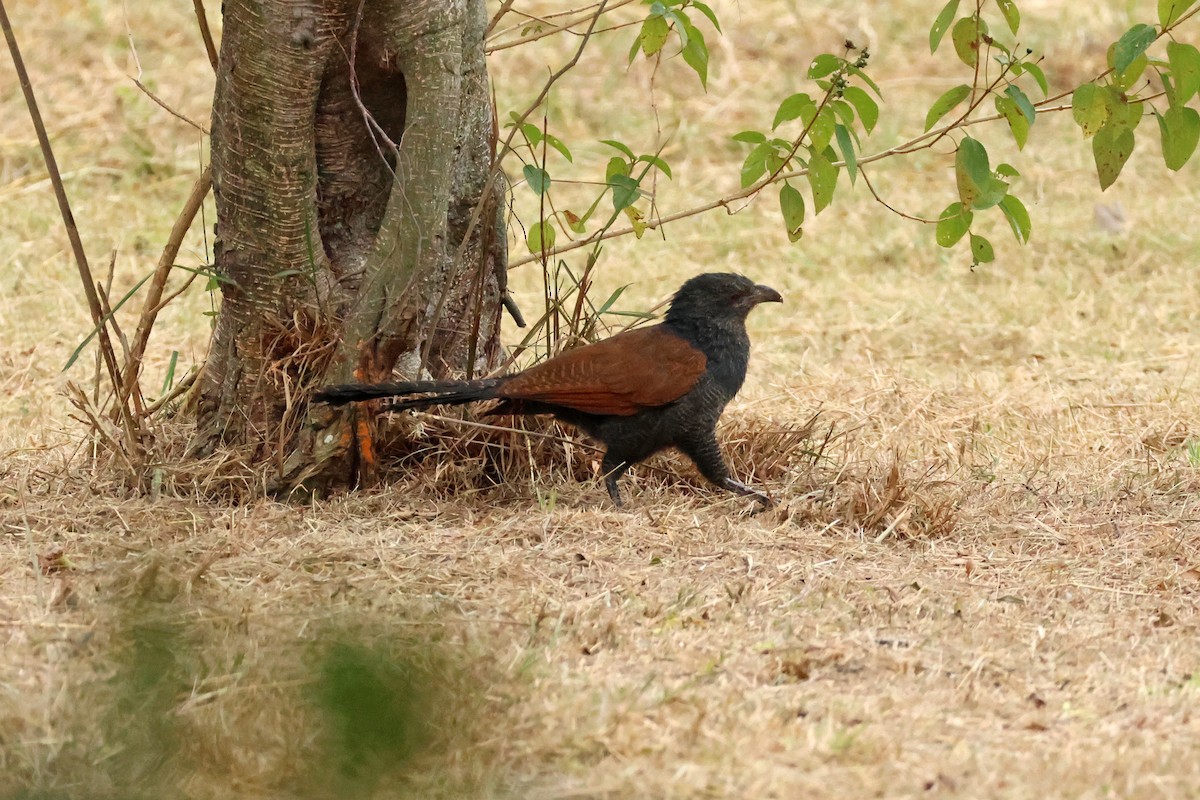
x=434 y=393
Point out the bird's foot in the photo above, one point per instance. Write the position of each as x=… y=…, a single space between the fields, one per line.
x=610 y=483
x=737 y=487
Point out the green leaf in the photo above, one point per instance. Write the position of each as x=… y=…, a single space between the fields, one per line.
x=612 y=299
x=1038 y=75
x=537 y=178
x=857 y=72
x=621 y=146
x=1017 y=121
x=1131 y=45
x=170 y=378
x=1170 y=10
x=655 y=31
x=822 y=177
x=791 y=108
x=541 y=237
x=615 y=166
x=954 y=221
x=824 y=64
x=971 y=170
x=1089 y=108
x=846 y=145
x=1123 y=113
x=843 y=111
x=1185 y=69
x=681 y=23
x=557 y=144
x=708 y=12
x=1180 y=128
x=748 y=137
x=1007 y=170
x=981 y=250
x=1111 y=148
x=657 y=162
x=942 y=24
x=791 y=203
x=532 y=133
x=1017 y=216
x=625 y=191
x=1011 y=15
x=966 y=36
x=635 y=48
x=755 y=165
x=1125 y=79
x=867 y=108
x=695 y=53
x=104 y=319
x=949 y=99
x=1022 y=102
x=820 y=132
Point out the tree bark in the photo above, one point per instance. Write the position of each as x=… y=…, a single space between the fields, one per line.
x=358 y=230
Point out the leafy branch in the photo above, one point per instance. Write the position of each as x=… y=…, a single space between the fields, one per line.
x=1107 y=109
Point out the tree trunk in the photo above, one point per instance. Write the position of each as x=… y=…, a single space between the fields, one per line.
x=359 y=225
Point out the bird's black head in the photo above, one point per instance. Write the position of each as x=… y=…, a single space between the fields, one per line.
x=718 y=296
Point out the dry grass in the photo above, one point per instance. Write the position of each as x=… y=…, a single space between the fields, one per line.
x=981 y=577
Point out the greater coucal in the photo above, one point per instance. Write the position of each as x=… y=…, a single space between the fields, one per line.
x=638 y=392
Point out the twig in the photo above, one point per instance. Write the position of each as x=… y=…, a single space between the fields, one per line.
x=557 y=28
x=504 y=7
x=205 y=33
x=889 y=206
x=372 y=125
x=162 y=103
x=179 y=389
x=158 y=283
x=64 y=207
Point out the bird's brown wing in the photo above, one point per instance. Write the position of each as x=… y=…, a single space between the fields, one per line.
x=620 y=375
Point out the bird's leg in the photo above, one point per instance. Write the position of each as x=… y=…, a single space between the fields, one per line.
x=737 y=487
x=705 y=453
x=613 y=469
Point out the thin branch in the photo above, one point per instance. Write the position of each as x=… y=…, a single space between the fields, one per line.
x=504 y=7
x=64 y=207
x=162 y=104
x=890 y=207
x=205 y=33
x=158 y=283
x=593 y=16
x=175 y=392
x=374 y=127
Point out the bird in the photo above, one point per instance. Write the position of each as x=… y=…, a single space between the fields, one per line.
x=637 y=392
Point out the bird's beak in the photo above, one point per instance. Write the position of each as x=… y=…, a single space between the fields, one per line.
x=765 y=294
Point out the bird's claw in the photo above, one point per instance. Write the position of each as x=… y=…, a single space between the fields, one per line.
x=737 y=487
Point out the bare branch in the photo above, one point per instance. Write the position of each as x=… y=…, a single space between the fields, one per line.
x=158 y=283
x=162 y=104
x=588 y=16
x=205 y=33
